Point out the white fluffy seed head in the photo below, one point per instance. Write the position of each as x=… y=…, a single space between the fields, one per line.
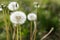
x=13 y=6
x=18 y=17
x=36 y=4
x=32 y=16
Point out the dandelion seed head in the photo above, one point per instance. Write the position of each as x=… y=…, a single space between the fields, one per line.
x=32 y=16
x=13 y=6
x=18 y=17
x=36 y=4
x=3 y=5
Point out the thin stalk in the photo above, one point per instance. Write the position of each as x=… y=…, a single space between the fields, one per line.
x=31 y=31
x=47 y=33
x=7 y=33
x=20 y=34
x=13 y=34
x=8 y=23
x=35 y=26
x=35 y=30
x=17 y=32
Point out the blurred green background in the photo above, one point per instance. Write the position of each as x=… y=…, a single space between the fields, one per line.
x=48 y=16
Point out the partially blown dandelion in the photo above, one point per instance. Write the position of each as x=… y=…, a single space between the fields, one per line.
x=13 y=6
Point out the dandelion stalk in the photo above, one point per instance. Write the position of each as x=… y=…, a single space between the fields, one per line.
x=47 y=33
x=7 y=33
x=9 y=22
x=14 y=33
x=35 y=30
x=31 y=31
x=20 y=34
x=35 y=27
x=17 y=32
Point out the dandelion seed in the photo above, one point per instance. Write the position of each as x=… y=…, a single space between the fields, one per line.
x=18 y=17
x=32 y=16
x=13 y=6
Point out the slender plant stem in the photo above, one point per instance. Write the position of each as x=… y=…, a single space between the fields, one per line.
x=13 y=34
x=35 y=26
x=8 y=23
x=20 y=34
x=7 y=33
x=31 y=31
x=47 y=33
x=35 y=30
x=17 y=32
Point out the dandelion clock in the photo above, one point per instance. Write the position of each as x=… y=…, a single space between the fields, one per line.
x=18 y=18
x=32 y=16
x=13 y=6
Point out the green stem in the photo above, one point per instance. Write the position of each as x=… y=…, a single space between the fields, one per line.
x=17 y=32
x=13 y=34
x=7 y=33
x=20 y=34
x=35 y=30
x=31 y=31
